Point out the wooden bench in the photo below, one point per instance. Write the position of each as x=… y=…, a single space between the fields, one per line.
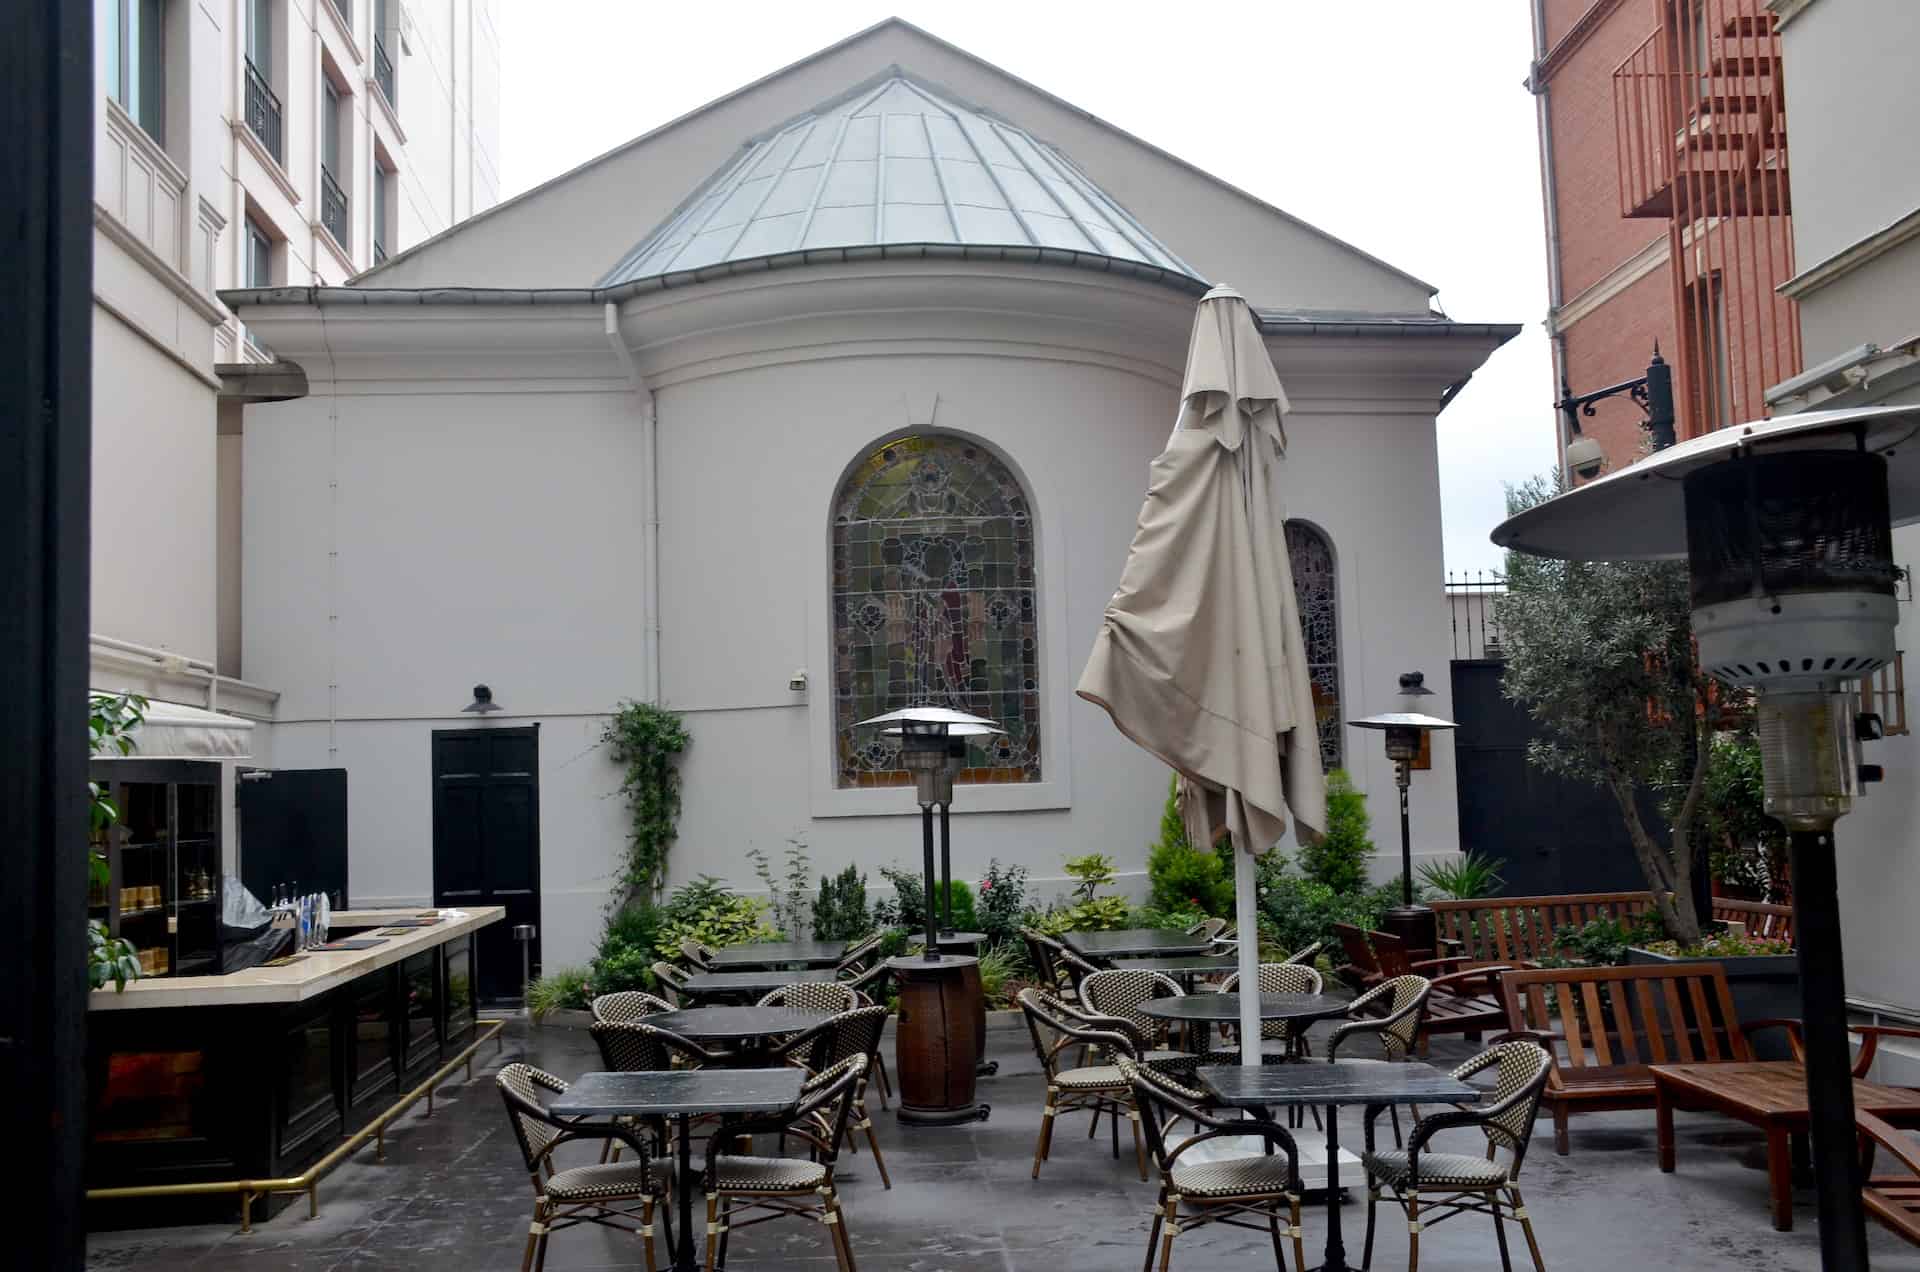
x=1607 y=1025
x=1520 y=929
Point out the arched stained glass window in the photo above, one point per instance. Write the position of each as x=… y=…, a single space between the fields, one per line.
x=1311 y=556
x=934 y=603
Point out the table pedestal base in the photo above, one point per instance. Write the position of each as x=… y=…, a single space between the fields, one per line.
x=937 y=1045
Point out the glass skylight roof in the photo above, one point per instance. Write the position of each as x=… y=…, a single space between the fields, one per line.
x=897 y=163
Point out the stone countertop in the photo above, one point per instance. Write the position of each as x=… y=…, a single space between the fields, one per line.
x=317 y=971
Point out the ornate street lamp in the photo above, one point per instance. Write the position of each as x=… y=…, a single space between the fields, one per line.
x=1786 y=526
x=1410 y=921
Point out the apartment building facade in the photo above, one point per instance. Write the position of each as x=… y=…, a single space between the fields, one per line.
x=1668 y=199
x=244 y=143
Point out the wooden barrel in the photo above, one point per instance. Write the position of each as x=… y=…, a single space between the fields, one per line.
x=937 y=1043
x=970 y=943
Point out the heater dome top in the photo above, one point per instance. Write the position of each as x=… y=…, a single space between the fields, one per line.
x=1402 y=720
x=1639 y=512
x=959 y=723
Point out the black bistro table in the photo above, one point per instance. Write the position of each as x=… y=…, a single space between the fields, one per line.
x=1216 y=1009
x=747 y=1028
x=1124 y=942
x=752 y=984
x=778 y=954
x=1185 y=968
x=1333 y=1084
x=683 y=1094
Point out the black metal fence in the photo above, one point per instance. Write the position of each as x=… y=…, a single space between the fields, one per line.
x=1472 y=610
x=333 y=208
x=263 y=112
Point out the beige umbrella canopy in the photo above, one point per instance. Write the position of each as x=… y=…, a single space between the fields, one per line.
x=1200 y=659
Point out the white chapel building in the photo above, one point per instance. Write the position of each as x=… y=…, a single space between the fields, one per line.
x=835 y=394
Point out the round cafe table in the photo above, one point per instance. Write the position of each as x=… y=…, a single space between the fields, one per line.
x=1214 y=1009
x=748 y=1029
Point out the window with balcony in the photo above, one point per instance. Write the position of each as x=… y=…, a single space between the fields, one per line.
x=385 y=179
x=384 y=38
x=333 y=195
x=263 y=104
x=136 y=61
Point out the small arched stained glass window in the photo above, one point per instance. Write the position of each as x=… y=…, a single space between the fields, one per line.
x=1311 y=556
x=934 y=604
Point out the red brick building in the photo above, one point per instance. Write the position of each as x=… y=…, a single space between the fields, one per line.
x=1663 y=150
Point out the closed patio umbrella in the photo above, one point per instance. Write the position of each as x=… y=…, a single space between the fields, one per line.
x=1200 y=659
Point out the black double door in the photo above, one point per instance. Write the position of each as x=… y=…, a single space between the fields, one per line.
x=486 y=841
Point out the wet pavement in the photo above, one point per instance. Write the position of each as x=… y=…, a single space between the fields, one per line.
x=453 y=1194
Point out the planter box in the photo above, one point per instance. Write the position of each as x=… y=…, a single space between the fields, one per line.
x=1765 y=987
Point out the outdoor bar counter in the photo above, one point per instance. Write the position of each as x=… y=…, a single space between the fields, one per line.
x=259 y=1074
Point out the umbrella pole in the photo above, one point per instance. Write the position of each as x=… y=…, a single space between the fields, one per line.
x=1247 y=922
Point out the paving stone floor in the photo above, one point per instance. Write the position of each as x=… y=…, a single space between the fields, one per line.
x=453 y=1195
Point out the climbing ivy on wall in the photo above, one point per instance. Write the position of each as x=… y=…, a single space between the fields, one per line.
x=647 y=739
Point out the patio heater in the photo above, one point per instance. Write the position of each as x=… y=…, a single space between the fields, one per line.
x=941 y=1039
x=1786 y=528
x=1405 y=730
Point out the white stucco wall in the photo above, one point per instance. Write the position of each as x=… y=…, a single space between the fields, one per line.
x=488 y=519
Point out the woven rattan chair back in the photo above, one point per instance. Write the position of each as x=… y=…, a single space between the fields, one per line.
x=698 y=955
x=870 y=985
x=831 y=997
x=826 y=1099
x=1404 y=999
x=628 y=1005
x=855 y=958
x=1306 y=954
x=672 y=981
x=856 y=1033
x=1055 y=1029
x=637 y=1047
x=1164 y=1101
x=1518 y=1067
x=1279 y=978
x=522 y=1087
x=1208 y=928
x=1119 y=992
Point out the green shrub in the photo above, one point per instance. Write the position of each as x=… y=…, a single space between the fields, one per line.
x=563 y=988
x=1603 y=942
x=1472 y=875
x=998 y=966
x=1102 y=914
x=1094 y=871
x=713 y=914
x=1297 y=911
x=621 y=968
x=786 y=895
x=1339 y=859
x=636 y=924
x=1182 y=877
x=1002 y=906
x=907 y=909
x=1175 y=920
x=840 y=911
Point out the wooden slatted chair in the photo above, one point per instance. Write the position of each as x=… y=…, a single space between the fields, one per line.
x=1893 y=1199
x=1607 y=1025
x=1361 y=971
x=1464 y=997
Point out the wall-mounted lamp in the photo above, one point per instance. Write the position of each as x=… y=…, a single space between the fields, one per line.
x=1413 y=684
x=482 y=701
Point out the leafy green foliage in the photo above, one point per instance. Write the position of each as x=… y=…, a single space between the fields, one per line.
x=1339 y=859
x=647 y=739
x=1604 y=942
x=109 y=958
x=840 y=911
x=1748 y=849
x=1471 y=875
x=625 y=957
x=998 y=966
x=1152 y=916
x=1093 y=871
x=563 y=989
x=1181 y=877
x=1296 y=911
x=1601 y=656
x=1101 y=914
x=713 y=914
x=1719 y=945
x=111 y=719
x=1003 y=904
x=787 y=896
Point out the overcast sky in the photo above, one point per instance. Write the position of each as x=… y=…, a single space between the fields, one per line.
x=1398 y=125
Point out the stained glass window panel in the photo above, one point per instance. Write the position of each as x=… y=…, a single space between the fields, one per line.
x=934 y=604
x=1311 y=557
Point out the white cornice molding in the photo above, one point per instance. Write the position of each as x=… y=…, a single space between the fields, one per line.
x=340 y=254
x=342 y=30
x=1848 y=259
x=259 y=151
x=392 y=117
x=176 y=282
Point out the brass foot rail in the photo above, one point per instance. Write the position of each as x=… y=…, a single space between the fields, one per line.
x=308 y=1181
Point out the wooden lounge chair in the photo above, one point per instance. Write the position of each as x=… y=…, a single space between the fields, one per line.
x=1893 y=1199
x=1465 y=998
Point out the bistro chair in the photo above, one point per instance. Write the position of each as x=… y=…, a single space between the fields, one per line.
x=852 y=1033
x=1060 y=969
x=697 y=954
x=1208 y=928
x=822 y=995
x=605 y=1193
x=1120 y=991
x=1239 y=1192
x=628 y=1005
x=871 y=986
x=1455 y=1184
x=855 y=959
x=1306 y=954
x=1404 y=1000
x=1098 y=1088
x=774 y=1187
x=634 y=1046
x=673 y=981
x=1279 y=1039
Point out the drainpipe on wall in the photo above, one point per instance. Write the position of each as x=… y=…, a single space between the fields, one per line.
x=650 y=484
x=1544 y=127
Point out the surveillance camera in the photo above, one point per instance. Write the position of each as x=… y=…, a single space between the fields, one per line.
x=797 y=682
x=1584 y=459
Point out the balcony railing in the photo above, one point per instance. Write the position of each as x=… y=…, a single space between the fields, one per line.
x=263 y=112
x=383 y=72
x=333 y=208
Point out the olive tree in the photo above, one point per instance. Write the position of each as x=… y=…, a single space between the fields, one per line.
x=1601 y=656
